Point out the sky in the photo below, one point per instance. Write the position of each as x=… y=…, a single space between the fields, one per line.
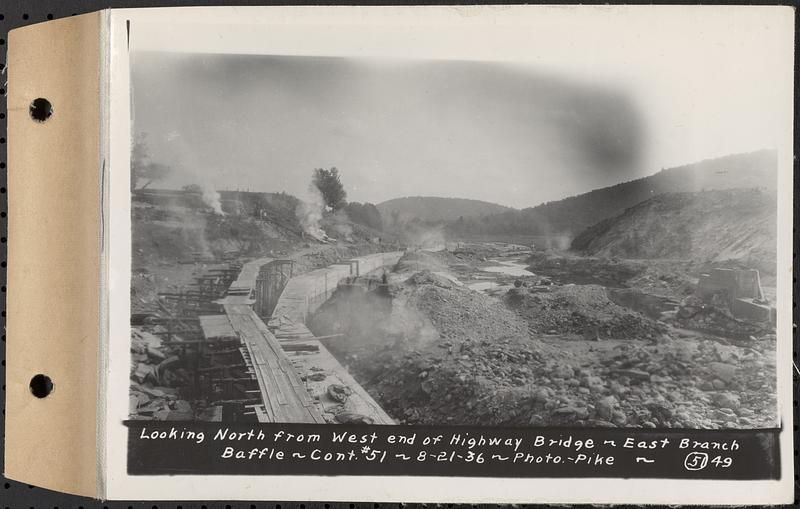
x=513 y=133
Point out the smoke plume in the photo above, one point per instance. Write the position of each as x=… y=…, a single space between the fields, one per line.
x=309 y=213
x=425 y=237
x=212 y=199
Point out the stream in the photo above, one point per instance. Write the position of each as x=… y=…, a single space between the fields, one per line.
x=516 y=268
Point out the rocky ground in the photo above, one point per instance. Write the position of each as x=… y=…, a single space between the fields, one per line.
x=439 y=352
x=580 y=309
x=158 y=379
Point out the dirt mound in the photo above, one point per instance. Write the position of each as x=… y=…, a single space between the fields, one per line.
x=734 y=224
x=580 y=309
x=459 y=312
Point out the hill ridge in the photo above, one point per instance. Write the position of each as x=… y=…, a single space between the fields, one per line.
x=438 y=208
x=573 y=214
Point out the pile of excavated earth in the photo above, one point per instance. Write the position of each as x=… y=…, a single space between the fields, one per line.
x=434 y=351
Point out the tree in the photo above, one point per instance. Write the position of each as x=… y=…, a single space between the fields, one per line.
x=143 y=169
x=330 y=185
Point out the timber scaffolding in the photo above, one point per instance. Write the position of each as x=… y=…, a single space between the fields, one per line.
x=284 y=373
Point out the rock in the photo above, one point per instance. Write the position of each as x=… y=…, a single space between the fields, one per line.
x=724 y=414
x=619 y=418
x=617 y=388
x=155 y=354
x=659 y=409
x=541 y=396
x=163 y=415
x=723 y=371
x=353 y=418
x=706 y=386
x=648 y=424
x=563 y=371
x=718 y=384
x=536 y=420
x=726 y=400
x=181 y=406
x=142 y=373
x=149 y=409
x=139 y=357
x=605 y=408
x=339 y=393
x=634 y=374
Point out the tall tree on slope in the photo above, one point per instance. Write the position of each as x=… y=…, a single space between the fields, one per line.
x=330 y=185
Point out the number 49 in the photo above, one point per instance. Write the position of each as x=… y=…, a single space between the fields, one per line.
x=722 y=462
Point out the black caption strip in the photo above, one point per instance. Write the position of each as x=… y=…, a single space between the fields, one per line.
x=181 y=448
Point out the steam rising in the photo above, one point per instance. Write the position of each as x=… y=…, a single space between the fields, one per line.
x=212 y=199
x=343 y=229
x=424 y=237
x=309 y=213
x=559 y=241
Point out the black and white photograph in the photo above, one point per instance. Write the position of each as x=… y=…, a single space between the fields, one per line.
x=474 y=254
x=407 y=241
x=495 y=254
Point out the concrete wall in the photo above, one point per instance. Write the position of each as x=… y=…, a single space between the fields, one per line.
x=305 y=293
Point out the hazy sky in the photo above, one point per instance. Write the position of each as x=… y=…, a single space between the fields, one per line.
x=517 y=134
x=472 y=130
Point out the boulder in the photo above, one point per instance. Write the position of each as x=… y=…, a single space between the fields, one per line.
x=726 y=400
x=723 y=371
x=605 y=408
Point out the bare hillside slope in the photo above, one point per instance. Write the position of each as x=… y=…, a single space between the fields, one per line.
x=712 y=226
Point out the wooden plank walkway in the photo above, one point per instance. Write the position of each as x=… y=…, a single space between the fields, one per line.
x=323 y=362
x=286 y=398
x=284 y=395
